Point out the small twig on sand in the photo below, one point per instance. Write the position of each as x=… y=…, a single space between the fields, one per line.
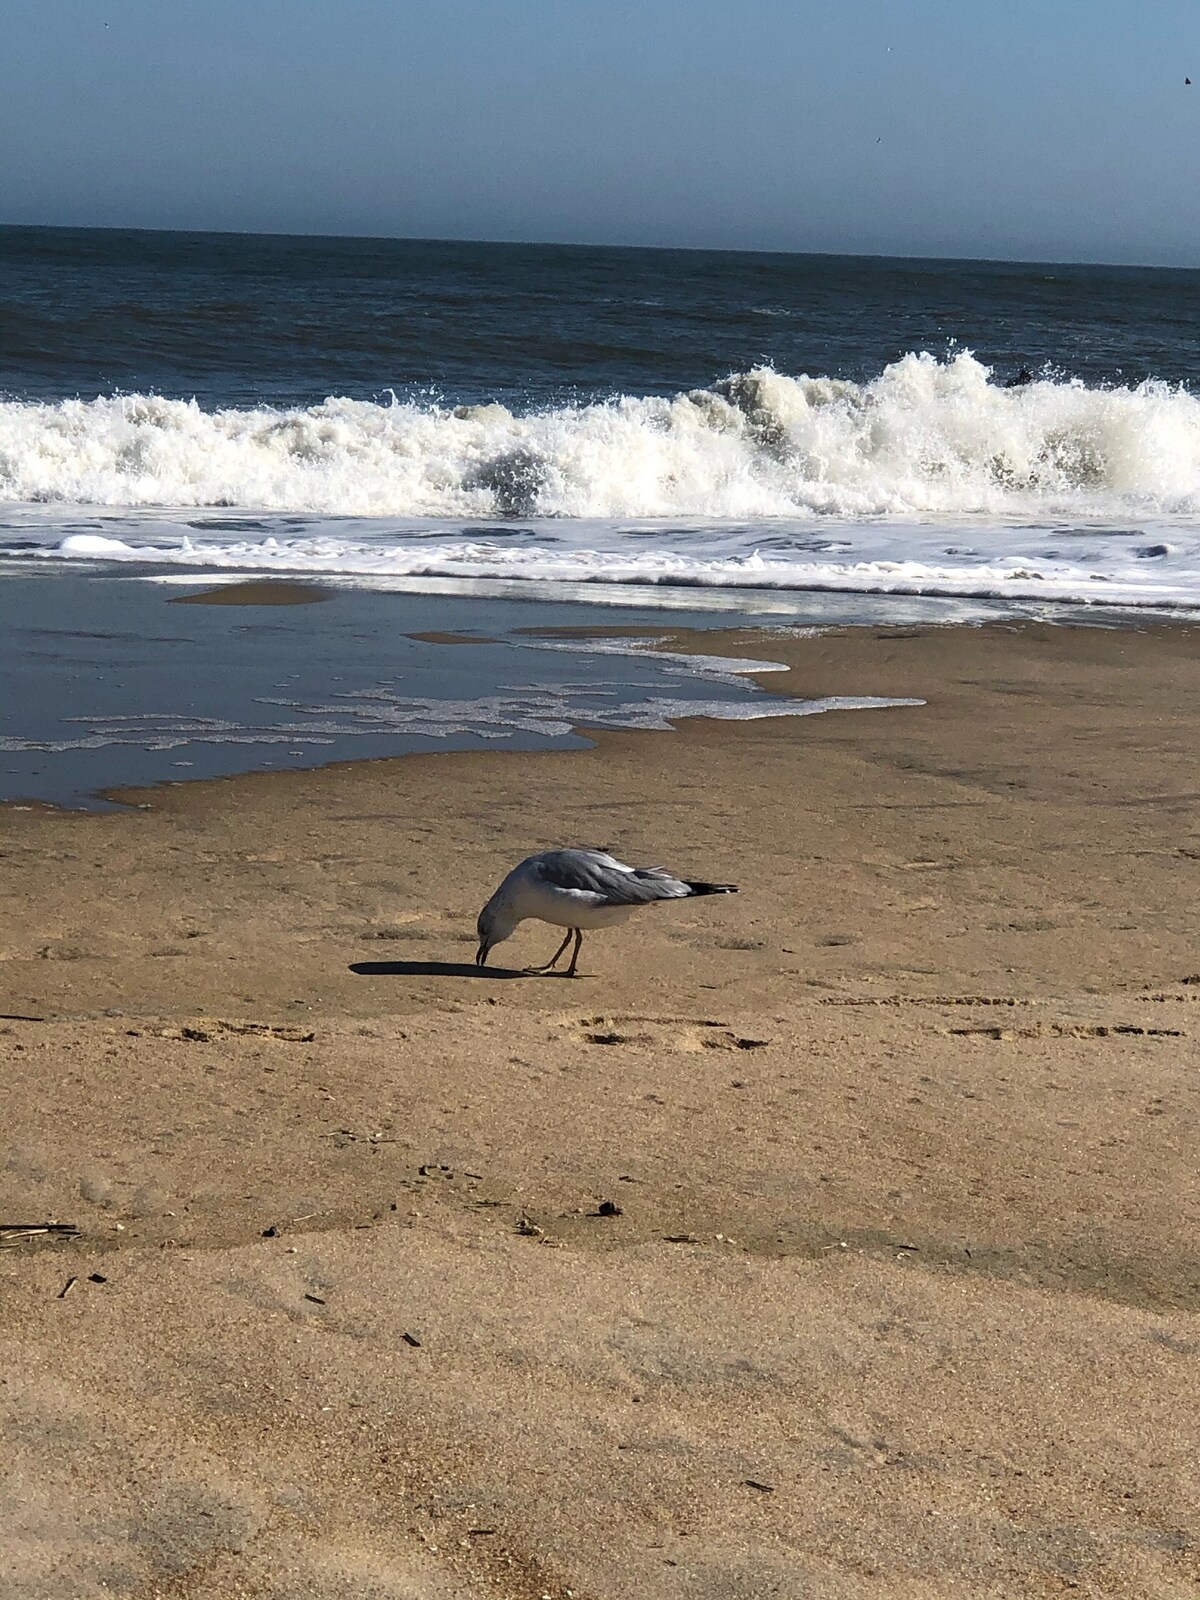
x=15 y=1233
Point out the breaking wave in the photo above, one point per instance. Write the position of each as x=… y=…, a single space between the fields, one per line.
x=925 y=438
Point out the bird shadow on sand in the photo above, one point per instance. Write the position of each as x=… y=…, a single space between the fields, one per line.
x=439 y=969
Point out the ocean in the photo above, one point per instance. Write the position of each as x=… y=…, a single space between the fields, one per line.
x=705 y=434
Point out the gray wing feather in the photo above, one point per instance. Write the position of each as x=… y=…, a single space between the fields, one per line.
x=592 y=872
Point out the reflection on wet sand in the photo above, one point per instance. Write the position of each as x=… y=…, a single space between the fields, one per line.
x=267 y=592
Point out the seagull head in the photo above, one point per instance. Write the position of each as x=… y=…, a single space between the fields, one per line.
x=483 y=928
x=494 y=926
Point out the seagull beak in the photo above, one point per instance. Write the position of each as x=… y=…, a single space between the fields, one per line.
x=481 y=954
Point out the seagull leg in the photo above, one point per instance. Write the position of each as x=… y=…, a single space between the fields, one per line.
x=553 y=962
x=578 y=932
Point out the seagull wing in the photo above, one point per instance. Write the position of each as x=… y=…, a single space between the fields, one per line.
x=591 y=872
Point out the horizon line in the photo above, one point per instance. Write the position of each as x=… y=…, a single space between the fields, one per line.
x=575 y=244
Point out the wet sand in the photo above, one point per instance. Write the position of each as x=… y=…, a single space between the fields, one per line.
x=256 y=592
x=897 y=1290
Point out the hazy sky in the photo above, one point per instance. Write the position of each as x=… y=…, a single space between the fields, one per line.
x=1054 y=129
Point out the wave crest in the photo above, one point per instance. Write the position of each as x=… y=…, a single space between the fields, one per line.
x=926 y=437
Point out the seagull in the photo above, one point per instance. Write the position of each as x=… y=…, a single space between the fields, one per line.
x=577 y=889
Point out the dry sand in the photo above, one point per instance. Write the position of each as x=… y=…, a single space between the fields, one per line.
x=902 y=1297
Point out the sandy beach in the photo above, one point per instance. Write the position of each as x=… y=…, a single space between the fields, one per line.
x=835 y=1239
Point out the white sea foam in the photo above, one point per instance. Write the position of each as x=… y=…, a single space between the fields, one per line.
x=1116 y=565
x=926 y=437
x=928 y=480
x=545 y=711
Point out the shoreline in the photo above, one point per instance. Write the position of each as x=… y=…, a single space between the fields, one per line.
x=112 y=685
x=730 y=638
x=899 y=1140
x=110 y=690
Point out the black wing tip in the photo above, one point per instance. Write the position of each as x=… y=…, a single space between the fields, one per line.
x=712 y=888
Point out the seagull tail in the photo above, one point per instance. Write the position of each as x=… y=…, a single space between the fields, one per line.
x=712 y=888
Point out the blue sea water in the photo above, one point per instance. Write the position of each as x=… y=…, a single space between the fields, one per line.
x=250 y=320
x=712 y=434
x=554 y=415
